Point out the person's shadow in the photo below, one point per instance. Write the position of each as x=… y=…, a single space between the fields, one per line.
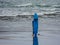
x=35 y=40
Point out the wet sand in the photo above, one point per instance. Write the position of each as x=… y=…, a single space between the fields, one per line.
x=20 y=32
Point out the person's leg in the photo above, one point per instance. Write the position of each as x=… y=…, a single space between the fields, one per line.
x=33 y=34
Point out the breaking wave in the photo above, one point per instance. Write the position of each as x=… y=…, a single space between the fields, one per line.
x=4 y=4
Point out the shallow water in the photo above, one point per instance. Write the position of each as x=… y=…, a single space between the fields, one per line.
x=19 y=32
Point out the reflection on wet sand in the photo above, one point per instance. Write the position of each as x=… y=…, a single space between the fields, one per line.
x=8 y=37
x=35 y=40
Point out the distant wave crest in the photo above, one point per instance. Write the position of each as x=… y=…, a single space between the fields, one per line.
x=56 y=6
x=32 y=5
x=9 y=4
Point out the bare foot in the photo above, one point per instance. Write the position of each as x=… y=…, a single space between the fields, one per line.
x=33 y=35
x=38 y=34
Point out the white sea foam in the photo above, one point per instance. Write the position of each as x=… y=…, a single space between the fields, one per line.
x=56 y=6
x=28 y=4
x=49 y=9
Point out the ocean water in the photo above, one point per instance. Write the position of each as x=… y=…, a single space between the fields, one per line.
x=16 y=22
x=29 y=7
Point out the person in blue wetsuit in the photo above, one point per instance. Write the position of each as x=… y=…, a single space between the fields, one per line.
x=35 y=24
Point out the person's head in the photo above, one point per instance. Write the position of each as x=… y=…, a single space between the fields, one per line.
x=35 y=16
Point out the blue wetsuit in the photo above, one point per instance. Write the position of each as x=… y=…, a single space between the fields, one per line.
x=35 y=24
